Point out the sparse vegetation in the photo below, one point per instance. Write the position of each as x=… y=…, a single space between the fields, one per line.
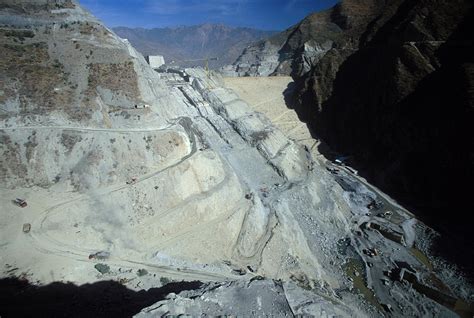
x=65 y=5
x=102 y=268
x=30 y=146
x=165 y=280
x=20 y=34
x=86 y=28
x=120 y=77
x=257 y=136
x=34 y=76
x=57 y=64
x=142 y=272
x=69 y=140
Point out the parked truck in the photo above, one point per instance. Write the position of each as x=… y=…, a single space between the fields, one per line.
x=20 y=202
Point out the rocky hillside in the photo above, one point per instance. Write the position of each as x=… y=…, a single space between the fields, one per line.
x=390 y=84
x=295 y=50
x=399 y=101
x=193 y=42
x=59 y=63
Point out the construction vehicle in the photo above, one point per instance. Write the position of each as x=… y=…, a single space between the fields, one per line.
x=26 y=228
x=341 y=160
x=102 y=255
x=20 y=202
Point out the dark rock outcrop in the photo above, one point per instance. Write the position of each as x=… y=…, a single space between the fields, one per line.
x=396 y=94
x=21 y=298
x=295 y=50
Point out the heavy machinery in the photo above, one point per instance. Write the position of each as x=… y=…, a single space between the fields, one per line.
x=20 y=202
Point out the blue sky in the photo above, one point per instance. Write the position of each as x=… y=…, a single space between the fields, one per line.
x=261 y=14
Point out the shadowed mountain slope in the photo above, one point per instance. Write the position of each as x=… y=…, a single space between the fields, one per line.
x=401 y=104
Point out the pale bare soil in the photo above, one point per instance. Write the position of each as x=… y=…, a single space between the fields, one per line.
x=265 y=95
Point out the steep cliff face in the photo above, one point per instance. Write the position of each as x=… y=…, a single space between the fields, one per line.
x=402 y=105
x=294 y=51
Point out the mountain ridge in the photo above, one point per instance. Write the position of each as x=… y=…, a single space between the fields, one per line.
x=183 y=43
x=294 y=50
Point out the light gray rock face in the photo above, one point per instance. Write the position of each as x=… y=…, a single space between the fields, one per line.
x=249 y=299
x=259 y=60
x=293 y=51
x=312 y=52
x=288 y=158
x=267 y=59
x=258 y=298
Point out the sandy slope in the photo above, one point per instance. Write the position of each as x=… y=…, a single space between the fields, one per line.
x=267 y=95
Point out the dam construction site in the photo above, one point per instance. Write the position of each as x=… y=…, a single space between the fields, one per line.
x=131 y=190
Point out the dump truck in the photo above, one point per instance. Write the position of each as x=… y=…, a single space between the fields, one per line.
x=26 y=228
x=20 y=202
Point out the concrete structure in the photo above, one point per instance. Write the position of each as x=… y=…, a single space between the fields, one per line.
x=155 y=61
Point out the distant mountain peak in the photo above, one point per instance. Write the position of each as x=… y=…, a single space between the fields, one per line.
x=209 y=25
x=184 y=43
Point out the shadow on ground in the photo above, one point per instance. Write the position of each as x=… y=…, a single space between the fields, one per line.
x=18 y=298
x=450 y=220
x=291 y=103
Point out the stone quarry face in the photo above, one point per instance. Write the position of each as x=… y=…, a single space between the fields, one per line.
x=112 y=156
x=145 y=178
